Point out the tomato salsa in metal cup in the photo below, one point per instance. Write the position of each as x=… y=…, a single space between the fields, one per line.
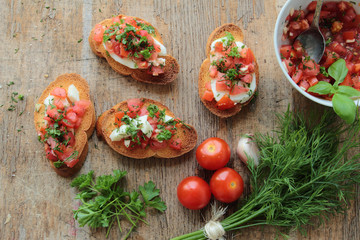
x=340 y=26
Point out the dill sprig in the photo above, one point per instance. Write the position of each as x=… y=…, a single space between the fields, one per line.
x=304 y=173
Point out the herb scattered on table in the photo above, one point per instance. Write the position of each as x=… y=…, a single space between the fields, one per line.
x=105 y=202
x=303 y=173
x=343 y=105
x=80 y=40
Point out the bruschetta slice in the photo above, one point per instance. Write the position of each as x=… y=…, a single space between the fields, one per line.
x=142 y=128
x=64 y=119
x=229 y=76
x=134 y=47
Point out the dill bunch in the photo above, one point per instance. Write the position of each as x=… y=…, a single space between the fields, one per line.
x=304 y=173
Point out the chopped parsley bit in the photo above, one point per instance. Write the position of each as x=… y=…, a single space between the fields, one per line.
x=323 y=71
x=1 y=105
x=99 y=10
x=164 y=135
x=352 y=2
x=47 y=7
x=21 y=97
x=10 y=83
x=16 y=50
x=229 y=39
x=152 y=109
x=11 y=108
x=80 y=40
x=18 y=130
x=21 y=113
x=234 y=52
x=328 y=41
x=34 y=38
x=58 y=164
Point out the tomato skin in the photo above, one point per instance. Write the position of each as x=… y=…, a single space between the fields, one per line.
x=208 y=95
x=98 y=33
x=213 y=153
x=193 y=193
x=175 y=144
x=225 y=103
x=118 y=117
x=226 y=185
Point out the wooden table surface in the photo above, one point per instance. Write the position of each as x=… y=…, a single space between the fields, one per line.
x=43 y=39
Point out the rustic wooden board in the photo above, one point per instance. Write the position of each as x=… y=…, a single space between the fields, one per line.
x=41 y=40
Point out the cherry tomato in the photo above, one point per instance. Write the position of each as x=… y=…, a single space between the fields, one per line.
x=227 y=185
x=213 y=153
x=193 y=193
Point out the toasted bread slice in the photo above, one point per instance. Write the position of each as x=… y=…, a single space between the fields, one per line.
x=87 y=125
x=105 y=126
x=171 y=65
x=204 y=70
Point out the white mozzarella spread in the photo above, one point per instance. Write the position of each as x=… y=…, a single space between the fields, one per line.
x=48 y=101
x=240 y=98
x=73 y=93
x=141 y=122
x=132 y=64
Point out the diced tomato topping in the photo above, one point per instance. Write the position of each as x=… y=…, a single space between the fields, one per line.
x=331 y=57
x=304 y=85
x=356 y=81
x=71 y=116
x=144 y=140
x=311 y=7
x=348 y=81
x=58 y=92
x=237 y=89
x=58 y=103
x=208 y=95
x=143 y=111
x=175 y=144
x=80 y=107
x=50 y=154
x=223 y=86
x=247 y=56
x=285 y=51
x=225 y=103
x=213 y=71
x=157 y=70
x=219 y=47
x=357 y=67
x=208 y=86
x=143 y=33
x=349 y=36
x=247 y=78
x=70 y=138
x=98 y=33
x=118 y=117
x=312 y=81
x=143 y=65
x=116 y=19
x=297 y=76
x=135 y=104
x=289 y=66
x=349 y=15
x=156 y=145
x=72 y=162
x=310 y=67
x=123 y=53
x=52 y=113
x=338 y=48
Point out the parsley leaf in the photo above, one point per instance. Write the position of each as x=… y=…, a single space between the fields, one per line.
x=104 y=201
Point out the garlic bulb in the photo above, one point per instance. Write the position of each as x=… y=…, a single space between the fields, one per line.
x=247 y=150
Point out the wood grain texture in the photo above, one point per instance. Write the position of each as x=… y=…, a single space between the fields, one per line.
x=35 y=203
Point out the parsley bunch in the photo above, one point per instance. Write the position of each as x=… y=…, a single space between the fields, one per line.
x=304 y=173
x=104 y=201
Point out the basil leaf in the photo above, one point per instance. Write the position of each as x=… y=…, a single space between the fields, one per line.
x=348 y=91
x=344 y=107
x=321 y=88
x=338 y=71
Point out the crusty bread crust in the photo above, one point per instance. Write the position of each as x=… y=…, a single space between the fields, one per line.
x=171 y=65
x=105 y=125
x=87 y=125
x=204 y=70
